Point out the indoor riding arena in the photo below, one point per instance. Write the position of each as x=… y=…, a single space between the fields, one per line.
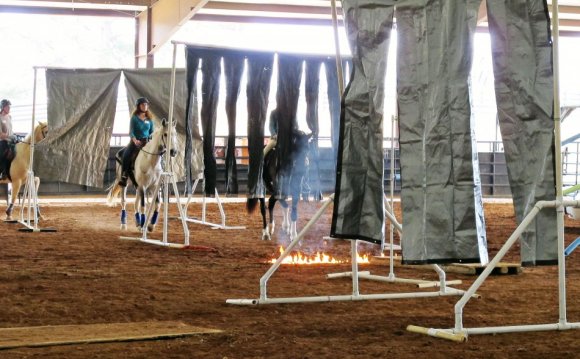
x=282 y=179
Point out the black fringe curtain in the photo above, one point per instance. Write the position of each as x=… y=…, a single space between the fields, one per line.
x=333 y=95
x=233 y=69
x=287 y=95
x=192 y=118
x=211 y=73
x=522 y=65
x=258 y=90
x=312 y=85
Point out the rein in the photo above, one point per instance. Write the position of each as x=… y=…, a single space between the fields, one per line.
x=161 y=152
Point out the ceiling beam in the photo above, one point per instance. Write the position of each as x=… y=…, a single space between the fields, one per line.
x=286 y=20
x=167 y=16
x=65 y=11
x=270 y=8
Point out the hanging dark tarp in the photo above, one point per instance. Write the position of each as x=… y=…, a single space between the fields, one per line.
x=522 y=64
x=258 y=90
x=358 y=205
x=193 y=141
x=233 y=69
x=211 y=73
x=81 y=112
x=287 y=95
x=312 y=85
x=442 y=207
x=155 y=84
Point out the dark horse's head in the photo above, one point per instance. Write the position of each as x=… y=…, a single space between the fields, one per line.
x=275 y=163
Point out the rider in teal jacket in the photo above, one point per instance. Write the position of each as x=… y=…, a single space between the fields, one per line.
x=140 y=131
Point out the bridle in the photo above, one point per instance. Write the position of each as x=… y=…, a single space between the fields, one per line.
x=162 y=148
x=43 y=131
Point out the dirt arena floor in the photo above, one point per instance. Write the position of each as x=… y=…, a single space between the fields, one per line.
x=84 y=274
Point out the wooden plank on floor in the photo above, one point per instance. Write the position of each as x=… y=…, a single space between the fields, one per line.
x=459 y=268
x=95 y=333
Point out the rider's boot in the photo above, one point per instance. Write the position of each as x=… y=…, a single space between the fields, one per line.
x=123 y=180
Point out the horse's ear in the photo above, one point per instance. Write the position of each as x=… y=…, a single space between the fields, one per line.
x=164 y=122
x=42 y=123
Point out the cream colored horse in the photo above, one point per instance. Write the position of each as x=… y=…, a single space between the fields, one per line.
x=21 y=163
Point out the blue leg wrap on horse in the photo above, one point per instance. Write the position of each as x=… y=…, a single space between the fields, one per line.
x=154 y=218
x=123 y=216
x=142 y=219
x=137 y=218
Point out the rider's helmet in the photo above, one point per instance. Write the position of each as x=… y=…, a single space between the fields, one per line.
x=141 y=100
x=4 y=103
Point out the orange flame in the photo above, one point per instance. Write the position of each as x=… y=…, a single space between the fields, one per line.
x=318 y=258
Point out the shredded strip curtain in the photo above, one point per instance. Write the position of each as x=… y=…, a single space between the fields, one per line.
x=233 y=69
x=193 y=141
x=257 y=90
x=522 y=63
x=155 y=85
x=442 y=204
x=358 y=205
x=287 y=95
x=81 y=112
x=312 y=84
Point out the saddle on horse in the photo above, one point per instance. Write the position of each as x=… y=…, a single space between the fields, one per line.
x=128 y=169
x=7 y=154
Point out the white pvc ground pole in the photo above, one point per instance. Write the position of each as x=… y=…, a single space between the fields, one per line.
x=166 y=179
x=459 y=332
x=354 y=296
x=203 y=220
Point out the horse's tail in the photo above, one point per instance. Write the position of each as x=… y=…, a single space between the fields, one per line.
x=251 y=204
x=114 y=191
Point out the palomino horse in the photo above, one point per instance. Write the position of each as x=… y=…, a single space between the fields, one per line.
x=290 y=174
x=21 y=163
x=146 y=173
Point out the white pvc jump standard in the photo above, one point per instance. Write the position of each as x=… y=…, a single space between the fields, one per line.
x=166 y=179
x=459 y=333
x=203 y=210
x=354 y=296
x=29 y=209
x=391 y=278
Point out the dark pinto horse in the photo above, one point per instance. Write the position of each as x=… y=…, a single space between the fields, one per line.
x=281 y=178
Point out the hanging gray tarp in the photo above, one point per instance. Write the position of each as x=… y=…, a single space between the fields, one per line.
x=358 y=205
x=193 y=160
x=287 y=95
x=155 y=84
x=522 y=63
x=442 y=207
x=81 y=112
x=210 y=84
x=311 y=85
x=257 y=92
x=233 y=69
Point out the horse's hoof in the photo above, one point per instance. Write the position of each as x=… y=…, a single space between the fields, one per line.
x=124 y=226
x=150 y=228
x=266 y=237
x=8 y=218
